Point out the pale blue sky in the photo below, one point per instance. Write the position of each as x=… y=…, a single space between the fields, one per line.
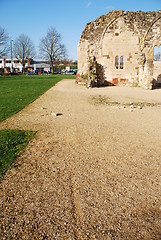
x=69 y=17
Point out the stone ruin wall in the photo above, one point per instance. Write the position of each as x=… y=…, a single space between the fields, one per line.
x=132 y=35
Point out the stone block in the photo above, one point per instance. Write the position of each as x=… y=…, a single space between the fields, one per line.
x=115 y=81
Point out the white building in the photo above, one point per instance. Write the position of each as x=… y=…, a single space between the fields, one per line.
x=41 y=67
x=11 y=65
x=8 y=66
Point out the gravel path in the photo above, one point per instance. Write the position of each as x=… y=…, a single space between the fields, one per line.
x=91 y=172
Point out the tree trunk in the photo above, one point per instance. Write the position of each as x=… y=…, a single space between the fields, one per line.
x=52 y=70
x=23 y=69
x=23 y=66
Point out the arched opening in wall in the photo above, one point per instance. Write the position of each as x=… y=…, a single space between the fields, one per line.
x=157 y=53
x=157 y=67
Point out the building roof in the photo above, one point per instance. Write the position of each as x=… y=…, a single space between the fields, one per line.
x=40 y=65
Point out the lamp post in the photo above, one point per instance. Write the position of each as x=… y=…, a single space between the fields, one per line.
x=11 y=57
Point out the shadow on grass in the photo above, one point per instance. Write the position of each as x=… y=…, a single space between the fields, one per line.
x=12 y=142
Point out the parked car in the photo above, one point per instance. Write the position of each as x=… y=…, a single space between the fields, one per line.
x=58 y=71
x=63 y=71
x=75 y=71
x=70 y=72
x=29 y=73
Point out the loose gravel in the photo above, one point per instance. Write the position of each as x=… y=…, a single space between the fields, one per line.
x=93 y=170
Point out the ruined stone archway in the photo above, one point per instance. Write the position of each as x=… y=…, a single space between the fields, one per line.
x=152 y=40
x=130 y=36
x=120 y=41
x=157 y=67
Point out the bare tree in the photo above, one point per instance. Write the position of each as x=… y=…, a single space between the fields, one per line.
x=24 y=49
x=4 y=42
x=51 y=48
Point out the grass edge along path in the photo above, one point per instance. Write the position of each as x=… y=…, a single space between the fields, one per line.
x=12 y=142
x=16 y=92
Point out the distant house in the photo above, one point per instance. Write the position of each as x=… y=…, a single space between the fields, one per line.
x=41 y=67
x=7 y=65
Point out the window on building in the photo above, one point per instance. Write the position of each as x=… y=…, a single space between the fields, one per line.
x=119 y=62
x=8 y=61
x=0 y=61
x=16 y=61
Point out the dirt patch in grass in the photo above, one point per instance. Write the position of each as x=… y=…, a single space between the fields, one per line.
x=104 y=100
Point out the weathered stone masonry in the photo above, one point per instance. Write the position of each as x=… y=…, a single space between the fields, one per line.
x=121 y=45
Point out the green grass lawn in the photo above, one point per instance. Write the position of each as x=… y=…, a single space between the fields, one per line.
x=16 y=92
